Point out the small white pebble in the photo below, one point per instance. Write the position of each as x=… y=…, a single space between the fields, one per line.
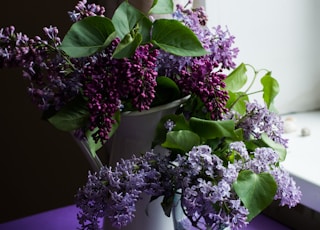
x=289 y=125
x=305 y=132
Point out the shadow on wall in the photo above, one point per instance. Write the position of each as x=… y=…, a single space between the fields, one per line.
x=41 y=168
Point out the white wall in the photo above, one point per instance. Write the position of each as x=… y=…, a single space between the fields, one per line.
x=282 y=36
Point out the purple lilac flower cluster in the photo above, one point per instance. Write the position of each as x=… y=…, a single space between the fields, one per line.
x=84 y=9
x=265 y=160
x=259 y=119
x=51 y=86
x=108 y=81
x=203 y=179
x=55 y=80
x=207 y=196
x=202 y=75
x=114 y=192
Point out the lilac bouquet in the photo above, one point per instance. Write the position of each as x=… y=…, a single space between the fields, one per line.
x=223 y=152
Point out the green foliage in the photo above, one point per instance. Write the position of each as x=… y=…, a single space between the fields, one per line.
x=182 y=140
x=162 y=7
x=195 y=131
x=265 y=141
x=88 y=36
x=127 y=46
x=270 y=88
x=71 y=117
x=125 y=19
x=173 y=37
x=210 y=129
x=256 y=191
x=93 y=34
x=166 y=91
x=238 y=79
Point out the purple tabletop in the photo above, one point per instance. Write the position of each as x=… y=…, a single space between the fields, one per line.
x=65 y=219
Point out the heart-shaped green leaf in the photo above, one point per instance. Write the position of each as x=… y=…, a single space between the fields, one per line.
x=256 y=191
x=127 y=46
x=237 y=78
x=210 y=129
x=173 y=37
x=183 y=140
x=88 y=36
x=71 y=117
x=180 y=123
x=125 y=18
x=162 y=7
x=237 y=101
x=270 y=88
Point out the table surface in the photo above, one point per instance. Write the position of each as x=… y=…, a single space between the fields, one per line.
x=65 y=219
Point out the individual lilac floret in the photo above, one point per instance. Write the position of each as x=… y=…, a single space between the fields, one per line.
x=169 y=125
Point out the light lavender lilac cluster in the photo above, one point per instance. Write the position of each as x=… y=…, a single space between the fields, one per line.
x=114 y=192
x=203 y=177
x=259 y=119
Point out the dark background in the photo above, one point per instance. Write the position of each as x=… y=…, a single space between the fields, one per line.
x=41 y=168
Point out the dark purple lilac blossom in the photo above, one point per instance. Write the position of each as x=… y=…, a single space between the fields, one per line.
x=108 y=81
x=202 y=76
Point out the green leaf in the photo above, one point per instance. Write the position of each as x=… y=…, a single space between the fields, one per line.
x=256 y=191
x=72 y=116
x=161 y=131
x=125 y=18
x=167 y=204
x=173 y=37
x=280 y=149
x=270 y=88
x=88 y=36
x=183 y=140
x=144 y=28
x=166 y=91
x=237 y=102
x=237 y=78
x=93 y=146
x=127 y=46
x=210 y=129
x=162 y=7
